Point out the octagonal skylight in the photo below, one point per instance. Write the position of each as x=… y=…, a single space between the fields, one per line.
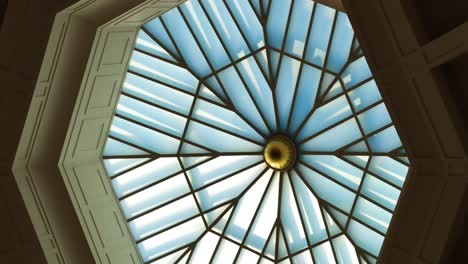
x=210 y=84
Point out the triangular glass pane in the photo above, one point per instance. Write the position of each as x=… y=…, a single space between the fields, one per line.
x=205 y=248
x=185 y=259
x=213 y=85
x=116 y=148
x=271 y=246
x=358 y=147
x=146 y=43
x=385 y=141
x=213 y=215
x=262 y=59
x=274 y=60
x=344 y=250
x=223 y=221
x=282 y=250
x=331 y=225
x=404 y=160
x=208 y=94
x=156 y=28
x=327 y=80
x=358 y=160
x=334 y=91
x=341 y=218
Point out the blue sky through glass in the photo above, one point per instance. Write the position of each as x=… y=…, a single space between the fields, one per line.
x=208 y=84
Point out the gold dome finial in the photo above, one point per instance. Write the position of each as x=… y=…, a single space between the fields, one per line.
x=280 y=153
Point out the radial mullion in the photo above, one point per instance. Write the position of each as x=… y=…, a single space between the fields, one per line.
x=202 y=5
x=177 y=223
x=306 y=43
x=240 y=245
x=167 y=177
x=309 y=248
x=264 y=22
x=236 y=203
x=373 y=174
x=245 y=38
x=278 y=216
x=350 y=89
x=350 y=117
x=182 y=256
x=303 y=123
x=288 y=255
x=175 y=56
x=329 y=234
x=280 y=63
x=304 y=61
x=151 y=261
x=132 y=145
x=181 y=139
x=107 y=157
x=270 y=235
x=196 y=119
x=132 y=168
x=257 y=210
x=149 y=210
x=158 y=58
x=301 y=216
x=192 y=192
x=323 y=204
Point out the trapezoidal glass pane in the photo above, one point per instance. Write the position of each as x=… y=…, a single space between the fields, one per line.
x=252 y=131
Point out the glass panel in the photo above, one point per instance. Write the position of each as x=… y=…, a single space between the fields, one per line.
x=259 y=88
x=372 y=215
x=328 y=190
x=374 y=118
x=285 y=87
x=141 y=136
x=220 y=167
x=266 y=218
x=116 y=166
x=205 y=34
x=290 y=218
x=151 y=172
x=240 y=98
x=146 y=43
x=336 y=168
x=226 y=27
x=298 y=26
x=224 y=142
x=204 y=249
x=225 y=119
x=248 y=22
x=276 y=25
x=326 y=116
x=323 y=254
x=380 y=192
x=334 y=138
x=305 y=97
x=115 y=148
x=356 y=72
x=156 y=29
x=345 y=252
x=162 y=71
x=171 y=239
x=157 y=93
x=365 y=238
x=385 y=141
x=341 y=43
x=151 y=116
x=389 y=169
x=320 y=34
x=186 y=43
x=365 y=95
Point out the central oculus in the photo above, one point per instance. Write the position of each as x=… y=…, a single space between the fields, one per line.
x=280 y=153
